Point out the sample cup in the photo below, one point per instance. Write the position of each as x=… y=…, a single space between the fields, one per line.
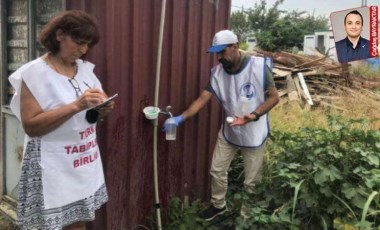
x=171 y=130
x=230 y=119
x=151 y=112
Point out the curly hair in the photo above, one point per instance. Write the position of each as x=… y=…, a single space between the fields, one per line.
x=77 y=24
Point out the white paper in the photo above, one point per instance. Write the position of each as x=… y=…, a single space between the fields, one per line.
x=105 y=102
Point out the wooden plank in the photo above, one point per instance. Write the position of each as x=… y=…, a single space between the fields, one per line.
x=311 y=73
x=281 y=73
x=297 y=84
x=291 y=87
x=283 y=67
x=8 y=207
x=282 y=93
x=310 y=62
x=305 y=89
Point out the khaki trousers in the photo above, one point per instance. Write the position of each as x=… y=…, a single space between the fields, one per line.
x=223 y=155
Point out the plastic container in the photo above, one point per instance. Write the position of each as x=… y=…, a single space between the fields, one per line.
x=230 y=119
x=244 y=106
x=151 y=112
x=171 y=130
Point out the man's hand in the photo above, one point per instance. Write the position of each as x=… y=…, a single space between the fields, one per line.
x=238 y=121
x=178 y=120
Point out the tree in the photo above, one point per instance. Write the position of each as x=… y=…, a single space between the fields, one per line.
x=277 y=30
x=256 y=18
x=240 y=24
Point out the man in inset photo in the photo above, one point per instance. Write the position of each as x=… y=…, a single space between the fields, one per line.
x=354 y=46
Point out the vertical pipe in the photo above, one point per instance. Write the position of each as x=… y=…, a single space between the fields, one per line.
x=4 y=87
x=3 y=57
x=156 y=95
x=31 y=29
x=159 y=52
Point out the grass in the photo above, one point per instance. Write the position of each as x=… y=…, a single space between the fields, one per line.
x=366 y=206
x=363 y=70
x=290 y=116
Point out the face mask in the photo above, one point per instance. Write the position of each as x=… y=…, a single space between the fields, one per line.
x=225 y=63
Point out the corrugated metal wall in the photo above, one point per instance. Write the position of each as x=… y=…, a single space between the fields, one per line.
x=126 y=62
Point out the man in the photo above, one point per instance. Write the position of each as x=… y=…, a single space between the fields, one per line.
x=237 y=76
x=353 y=47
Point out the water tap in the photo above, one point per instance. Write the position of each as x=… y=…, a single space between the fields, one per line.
x=167 y=111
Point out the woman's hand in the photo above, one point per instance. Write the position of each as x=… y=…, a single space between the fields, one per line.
x=104 y=110
x=90 y=98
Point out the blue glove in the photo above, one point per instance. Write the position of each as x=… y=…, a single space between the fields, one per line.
x=178 y=120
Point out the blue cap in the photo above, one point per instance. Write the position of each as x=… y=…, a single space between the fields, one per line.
x=221 y=40
x=217 y=48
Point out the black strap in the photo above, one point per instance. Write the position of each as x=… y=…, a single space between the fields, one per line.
x=257 y=115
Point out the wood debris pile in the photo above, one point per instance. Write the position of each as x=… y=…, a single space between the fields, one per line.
x=312 y=80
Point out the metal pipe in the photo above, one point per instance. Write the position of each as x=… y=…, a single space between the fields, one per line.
x=31 y=29
x=155 y=123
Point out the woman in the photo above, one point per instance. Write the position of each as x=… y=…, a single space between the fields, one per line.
x=62 y=181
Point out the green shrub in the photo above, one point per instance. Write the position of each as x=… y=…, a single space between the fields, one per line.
x=183 y=217
x=315 y=179
x=243 y=46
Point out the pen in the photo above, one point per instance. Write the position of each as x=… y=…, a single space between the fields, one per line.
x=87 y=85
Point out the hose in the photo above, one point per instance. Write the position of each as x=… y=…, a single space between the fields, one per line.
x=155 y=123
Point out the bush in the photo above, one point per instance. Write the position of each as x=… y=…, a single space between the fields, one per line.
x=315 y=179
x=182 y=217
x=243 y=46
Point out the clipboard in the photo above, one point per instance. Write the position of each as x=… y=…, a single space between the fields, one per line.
x=108 y=100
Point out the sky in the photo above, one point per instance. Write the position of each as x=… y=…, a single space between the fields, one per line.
x=319 y=7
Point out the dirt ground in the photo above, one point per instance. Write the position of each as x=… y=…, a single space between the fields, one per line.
x=6 y=224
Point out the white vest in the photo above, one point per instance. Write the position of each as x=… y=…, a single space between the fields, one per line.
x=70 y=158
x=250 y=83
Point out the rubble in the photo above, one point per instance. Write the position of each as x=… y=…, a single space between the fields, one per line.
x=315 y=80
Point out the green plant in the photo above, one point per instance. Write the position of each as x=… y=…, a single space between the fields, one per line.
x=183 y=217
x=363 y=223
x=243 y=46
x=315 y=179
x=296 y=190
